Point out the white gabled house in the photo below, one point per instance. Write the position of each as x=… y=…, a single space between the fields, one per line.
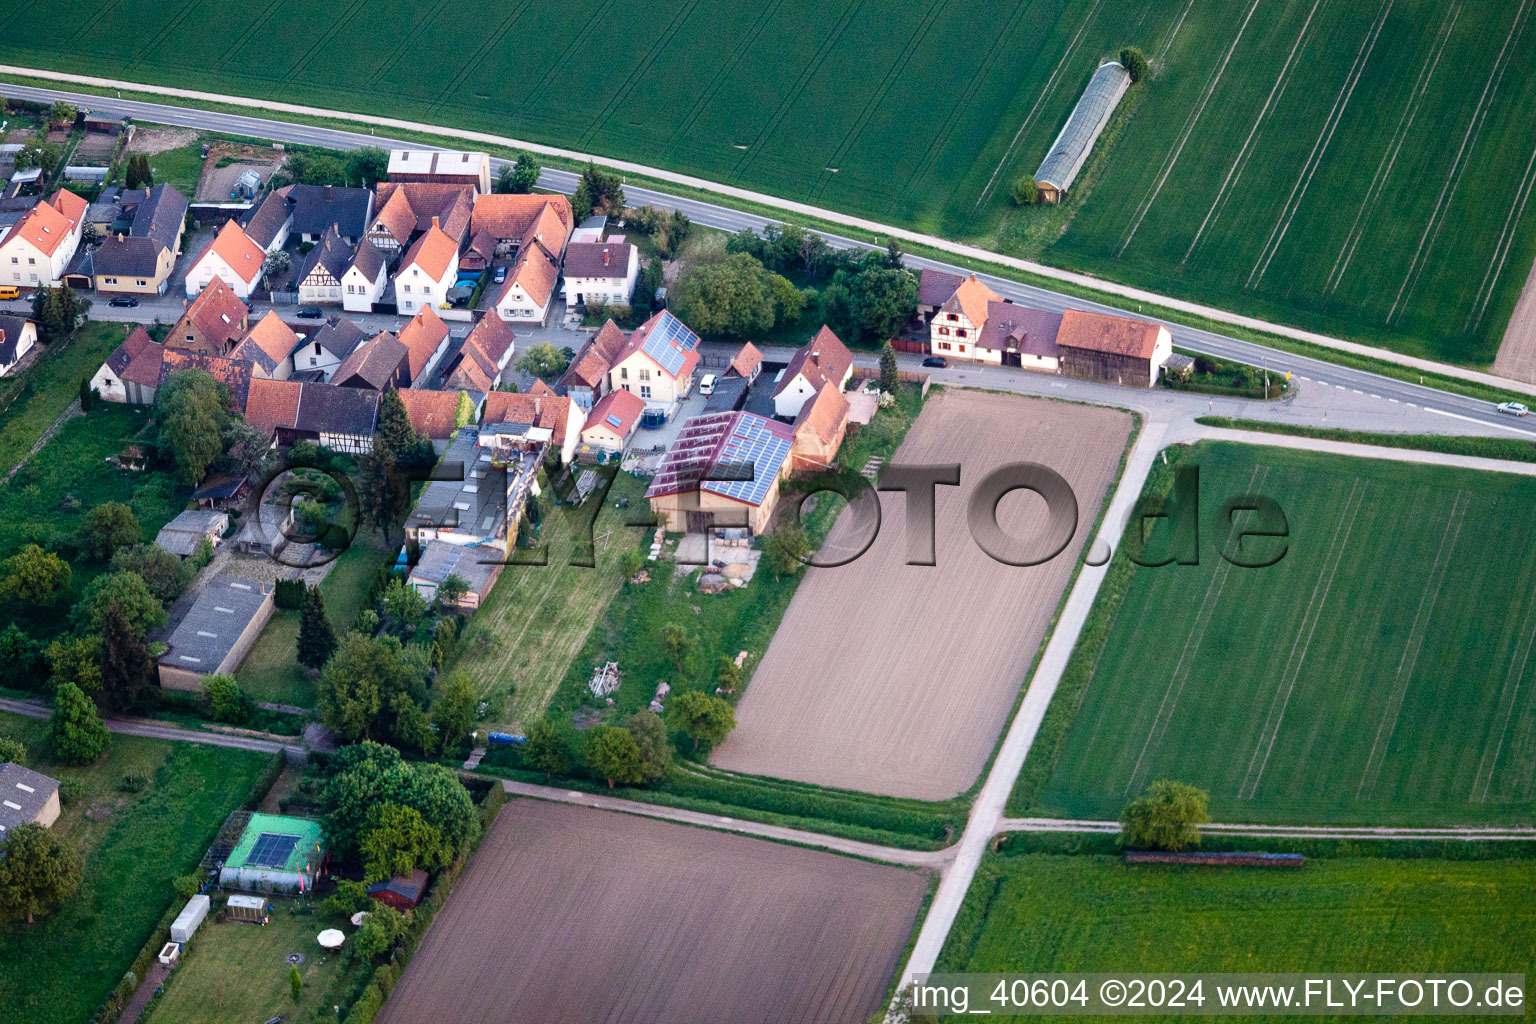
x=320 y=276
x=39 y=246
x=365 y=280
x=426 y=272
x=232 y=258
x=17 y=337
x=822 y=360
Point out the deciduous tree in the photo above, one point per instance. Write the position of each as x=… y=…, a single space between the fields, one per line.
x=105 y=528
x=1167 y=816
x=191 y=409
x=650 y=734
x=75 y=731
x=787 y=549
x=543 y=361
x=882 y=301
x=550 y=748
x=367 y=166
x=706 y=718
x=37 y=871
x=396 y=841
x=163 y=573
x=75 y=660
x=730 y=296
x=611 y=753
x=129 y=593
x=454 y=712
x=35 y=576
x=224 y=701
x=1135 y=62
x=679 y=643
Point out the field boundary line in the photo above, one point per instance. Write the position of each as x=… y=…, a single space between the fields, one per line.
x=100 y=13
x=325 y=37
x=1192 y=641
x=407 y=40
x=1320 y=147
x=261 y=123
x=723 y=71
x=1410 y=658
x=171 y=24
x=1189 y=126
x=1039 y=99
x=599 y=15
x=1389 y=158
x=1453 y=178
x=491 y=42
x=621 y=94
x=1512 y=677
x=1162 y=50
x=1293 y=663
x=1282 y=82
x=1471 y=833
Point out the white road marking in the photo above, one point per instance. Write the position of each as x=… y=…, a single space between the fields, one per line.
x=1485 y=423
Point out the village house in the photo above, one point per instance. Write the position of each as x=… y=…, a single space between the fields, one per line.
x=481 y=361
x=439 y=414
x=480 y=490
x=557 y=414
x=17 y=336
x=270 y=221
x=613 y=421
x=441 y=166
x=323 y=268
x=427 y=271
x=376 y=364
x=213 y=323
x=746 y=364
x=318 y=207
x=957 y=325
x=232 y=373
x=723 y=470
x=934 y=287
x=141 y=260
x=341 y=419
x=819 y=430
x=1113 y=349
x=268 y=347
x=404 y=211
x=600 y=273
x=132 y=372
x=323 y=351
x=657 y=361
x=39 y=246
x=426 y=338
x=525 y=298
x=1015 y=335
x=232 y=258
x=514 y=221
x=819 y=361
x=365 y=280
x=586 y=379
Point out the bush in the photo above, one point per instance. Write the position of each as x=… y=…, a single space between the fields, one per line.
x=289 y=594
x=12 y=751
x=223 y=701
x=1024 y=191
x=133 y=782
x=1134 y=62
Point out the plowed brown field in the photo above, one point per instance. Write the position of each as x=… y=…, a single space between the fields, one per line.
x=896 y=679
x=569 y=914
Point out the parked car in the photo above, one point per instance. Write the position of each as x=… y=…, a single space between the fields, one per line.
x=707 y=385
x=500 y=276
x=9 y=291
x=309 y=313
x=124 y=301
x=938 y=361
x=1514 y=409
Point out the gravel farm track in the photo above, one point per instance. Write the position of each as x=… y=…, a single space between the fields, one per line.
x=568 y=914
x=896 y=679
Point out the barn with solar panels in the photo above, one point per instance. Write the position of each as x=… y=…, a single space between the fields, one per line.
x=723 y=470
x=275 y=853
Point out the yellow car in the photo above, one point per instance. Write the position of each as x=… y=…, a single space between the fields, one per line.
x=9 y=291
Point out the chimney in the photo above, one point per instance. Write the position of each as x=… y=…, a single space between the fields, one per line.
x=538 y=400
x=605 y=255
x=119 y=236
x=328 y=193
x=434 y=222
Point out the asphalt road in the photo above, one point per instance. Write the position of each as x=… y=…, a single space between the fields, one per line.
x=1315 y=371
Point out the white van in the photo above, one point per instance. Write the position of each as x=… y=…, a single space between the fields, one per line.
x=707 y=384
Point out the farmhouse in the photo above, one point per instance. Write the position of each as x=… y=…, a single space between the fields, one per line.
x=819 y=431
x=819 y=361
x=425 y=339
x=516 y=221
x=140 y=261
x=427 y=271
x=1070 y=150
x=525 y=297
x=320 y=276
x=478 y=565
x=934 y=288
x=26 y=797
x=722 y=470
x=232 y=373
x=380 y=362
x=40 y=245
x=657 y=362
x=223 y=622
x=268 y=347
x=406 y=210
x=613 y=421
x=600 y=273
x=586 y=379
x=1115 y=349
x=957 y=324
x=441 y=166
x=233 y=258
x=1016 y=335
x=213 y=324
x=276 y=853
x=17 y=336
x=318 y=207
x=482 y=359
x=132 y=372
x=401 y=892
x=185 y=534
x=341 y=419
x=323 y=351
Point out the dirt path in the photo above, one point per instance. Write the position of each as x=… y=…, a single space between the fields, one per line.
x=1467 y=834
x=261 y=743
x=1517 y=352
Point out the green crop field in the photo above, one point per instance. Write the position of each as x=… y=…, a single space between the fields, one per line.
x=1379 y=673
x=1356 y=168
x=1045 y=913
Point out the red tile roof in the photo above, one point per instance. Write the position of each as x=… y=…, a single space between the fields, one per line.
x=73 y=207
x=217 y=313
x=374 y=361
x=511 y=216
x=44 y=227
x=823 y=358
x=538 y=387
x=235 y=248
x=1101 y=332
x=970 y=300
x=623 y=405
x=591 y=364
x=434 y=413
x=132 y=345
x=433 y=252
x=824 y=415
x=272 y=337
x=535 y=272
x=479 y=360
x=272 y=403
x=422 y=336
x=552 y=411
x=747 y=361
x=416 y=203
x=232 y=373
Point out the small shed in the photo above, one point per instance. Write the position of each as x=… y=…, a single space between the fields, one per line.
x=247 y=908
x=401 y=892
x=186 y=533
x=221 y=491
x=185 y=925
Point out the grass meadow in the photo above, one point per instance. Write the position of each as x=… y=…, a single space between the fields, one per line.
x=1361 y=169
x=1379 y=673
x=133 y=845
x=1045 y=913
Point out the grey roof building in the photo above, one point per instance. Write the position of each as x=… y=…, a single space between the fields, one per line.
x=473 y=508
x=1067 y=154
x=157 y=222
x=217 y=630
x=268 y=220
x=185 y=534
x=26 y=797
x=317 y=207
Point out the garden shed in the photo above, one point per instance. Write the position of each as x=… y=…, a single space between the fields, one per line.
x=246 y=908
x=401 y=892
x=185 y=925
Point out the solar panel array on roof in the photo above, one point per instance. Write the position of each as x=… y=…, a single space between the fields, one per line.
x=669 y=343
x=272 y=850
x=752 y=441
x=613 y=421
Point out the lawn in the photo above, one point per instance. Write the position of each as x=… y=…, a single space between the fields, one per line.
x=518 y=646
x=1045 y=913
x=237 y=972
x=1329 y=165
x=1379 y=673
x=270 y=671
x=33 y=400
x=133 y=844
